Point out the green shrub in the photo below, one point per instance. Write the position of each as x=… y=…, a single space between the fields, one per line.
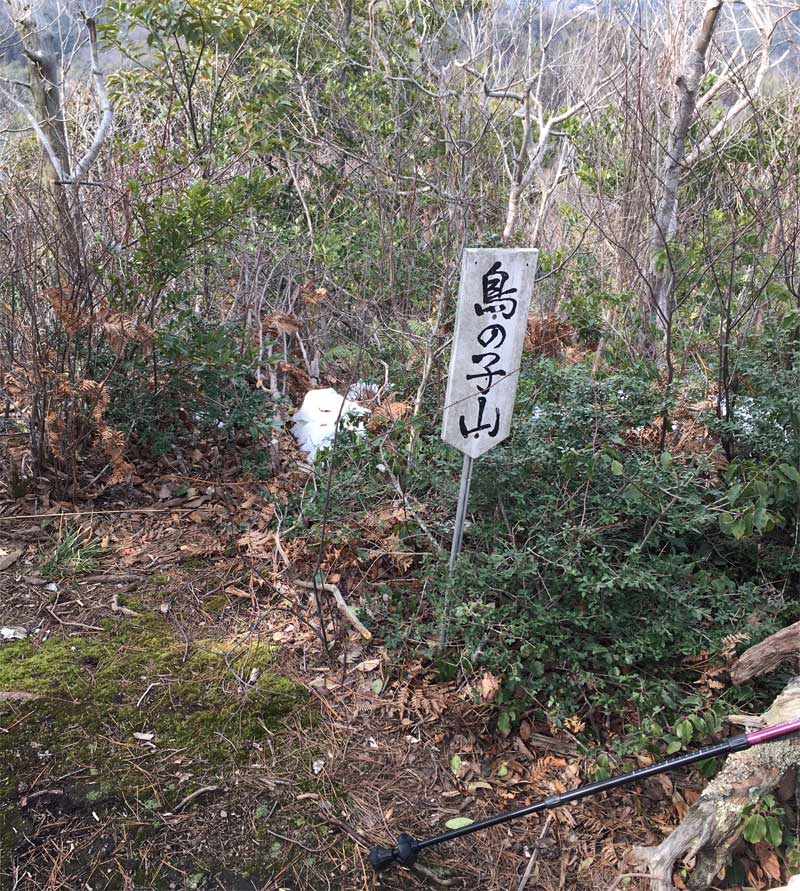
x=197 y=383
x=593 y=568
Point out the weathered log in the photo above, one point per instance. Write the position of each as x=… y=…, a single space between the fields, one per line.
x=714 y=822
x=767 y=655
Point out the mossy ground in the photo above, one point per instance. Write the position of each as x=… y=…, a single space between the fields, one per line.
x=202 y=710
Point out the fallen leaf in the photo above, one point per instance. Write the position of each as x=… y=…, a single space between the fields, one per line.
x=282 y=323
x=311 y=294
x=665 y=783
x=490 y=686
x=479 y=784
x=386 y=414
x=768 y=861
x=680 y=805
x=459 y=822
x=585 y=864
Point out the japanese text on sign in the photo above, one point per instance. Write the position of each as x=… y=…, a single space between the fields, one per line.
x=493 y=302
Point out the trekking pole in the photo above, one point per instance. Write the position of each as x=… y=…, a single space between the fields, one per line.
x=406 y=849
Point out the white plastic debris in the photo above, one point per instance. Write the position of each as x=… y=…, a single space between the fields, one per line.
x=362 y=391
x=13 y=633
x=314 y=425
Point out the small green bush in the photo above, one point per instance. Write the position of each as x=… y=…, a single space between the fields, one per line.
x=197 y=383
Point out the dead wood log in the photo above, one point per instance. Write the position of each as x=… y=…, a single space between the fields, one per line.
x=767 y=655
x=714 y=822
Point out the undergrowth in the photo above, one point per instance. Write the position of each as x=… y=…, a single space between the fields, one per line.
x=604 y=583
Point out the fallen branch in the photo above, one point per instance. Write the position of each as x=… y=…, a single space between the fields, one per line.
x=540 y=741
x=714 y=822
x=767 y=655
x=344 y=609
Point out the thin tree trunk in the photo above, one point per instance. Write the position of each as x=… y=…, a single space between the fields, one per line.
x=665 y=222
x=45 y=82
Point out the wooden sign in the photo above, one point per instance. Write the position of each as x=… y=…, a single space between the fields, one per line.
x=493 y=302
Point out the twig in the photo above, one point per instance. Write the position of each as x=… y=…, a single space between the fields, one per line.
x=147 y=691
x=120 y=579
x=529 y=868
x=425 y=873
x=17 y=696
x=93 y=511
x=356 y=836
x=123 y=610
x=344 y=609
x=408 y=506
x=72 y=624
x=191 y=797
x=294 y=841
x=27 y=799
x=325 y=518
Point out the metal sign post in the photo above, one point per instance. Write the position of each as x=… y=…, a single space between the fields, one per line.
x=493 y=301
x=461 y=510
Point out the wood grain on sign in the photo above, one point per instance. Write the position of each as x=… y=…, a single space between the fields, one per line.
x=493 y=302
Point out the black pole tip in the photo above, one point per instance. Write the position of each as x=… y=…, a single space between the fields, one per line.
x=404 y=852
x=380 y=858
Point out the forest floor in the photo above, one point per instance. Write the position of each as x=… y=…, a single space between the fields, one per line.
x=172 y=720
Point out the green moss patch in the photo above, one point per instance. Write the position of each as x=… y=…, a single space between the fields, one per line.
x=114 y=701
